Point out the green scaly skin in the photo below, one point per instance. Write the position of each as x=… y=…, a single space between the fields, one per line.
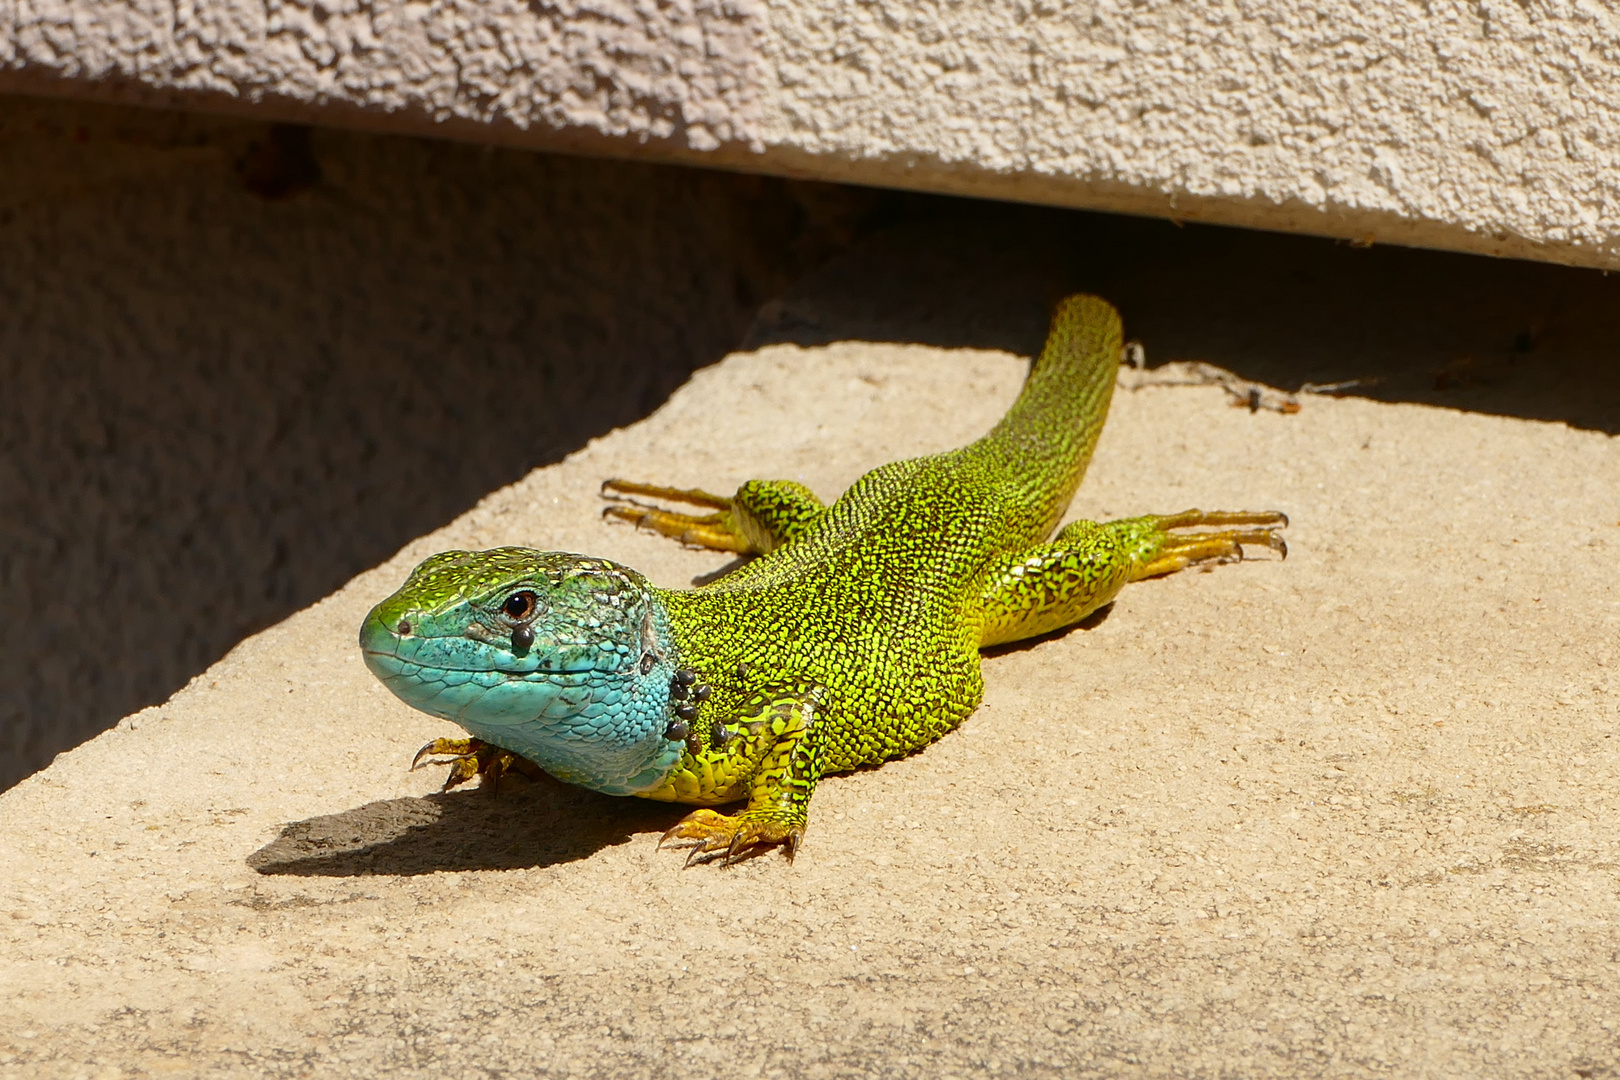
x=851 y=638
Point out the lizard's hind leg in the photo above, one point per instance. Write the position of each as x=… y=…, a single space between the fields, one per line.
x=1031 y=592
x=762 y=516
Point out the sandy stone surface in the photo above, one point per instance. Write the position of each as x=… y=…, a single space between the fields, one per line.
x=1348 y=814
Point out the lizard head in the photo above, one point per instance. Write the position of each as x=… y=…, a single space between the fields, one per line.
x=564 y=659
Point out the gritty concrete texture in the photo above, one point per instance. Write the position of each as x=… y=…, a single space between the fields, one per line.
x=1346 y=815
x=241 y=363
x=1487 y=127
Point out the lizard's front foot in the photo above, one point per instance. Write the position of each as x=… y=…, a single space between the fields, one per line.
x=468 y=758
x=712 y=531
x=713 y=836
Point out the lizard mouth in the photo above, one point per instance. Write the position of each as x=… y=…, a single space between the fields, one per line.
x=380 y=645
x=539 y=674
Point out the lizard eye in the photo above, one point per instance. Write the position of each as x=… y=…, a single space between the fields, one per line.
x=519 y=606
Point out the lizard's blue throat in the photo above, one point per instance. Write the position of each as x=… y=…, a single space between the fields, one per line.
x=582 y=687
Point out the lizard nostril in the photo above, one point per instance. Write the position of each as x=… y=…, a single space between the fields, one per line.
x=404 y=627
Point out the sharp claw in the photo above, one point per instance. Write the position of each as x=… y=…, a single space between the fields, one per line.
x=1282 y=547
x=450 y=748
x=678 y=840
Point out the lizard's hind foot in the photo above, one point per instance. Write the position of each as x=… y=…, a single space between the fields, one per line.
x=712 y=836
x=1177 y=551
x=468 y=758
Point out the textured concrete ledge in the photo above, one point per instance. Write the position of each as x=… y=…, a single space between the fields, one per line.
x=1491 y=127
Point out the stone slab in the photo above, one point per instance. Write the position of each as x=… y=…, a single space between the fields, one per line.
x=1354 y=813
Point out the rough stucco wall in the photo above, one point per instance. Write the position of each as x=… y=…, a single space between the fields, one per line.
x=617 y=69
x=1490 y=127
x=215 y=407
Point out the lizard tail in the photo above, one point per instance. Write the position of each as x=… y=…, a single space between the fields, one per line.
x=1046 y=439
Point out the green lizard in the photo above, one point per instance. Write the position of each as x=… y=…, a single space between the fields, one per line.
x=851 y=638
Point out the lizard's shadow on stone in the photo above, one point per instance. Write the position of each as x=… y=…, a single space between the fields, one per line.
x=527 y=825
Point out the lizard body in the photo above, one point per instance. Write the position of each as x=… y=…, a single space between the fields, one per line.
x=851 y=638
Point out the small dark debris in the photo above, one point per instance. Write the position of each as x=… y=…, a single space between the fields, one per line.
x=281 y=164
